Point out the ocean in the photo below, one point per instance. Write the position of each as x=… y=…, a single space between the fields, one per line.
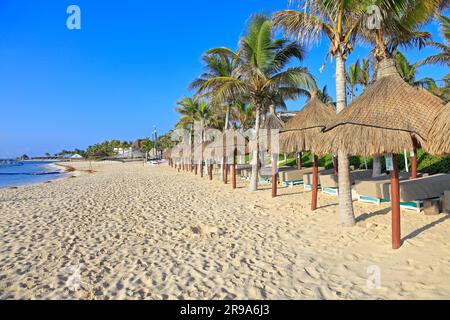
x=31 y=172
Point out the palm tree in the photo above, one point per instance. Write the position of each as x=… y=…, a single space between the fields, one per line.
x=338 y=21
x=400 y=26
x=206 y=117
x=188 y=108
x=325 y=97
x=401 y=21
x=406 y=70
x=217 y=64
x=353 y=76
x=261 y=74
x=243 y=113
x=443 y=57
x=442 y=91
x=364 y=74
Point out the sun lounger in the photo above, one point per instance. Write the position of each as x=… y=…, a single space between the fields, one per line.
x=266 y=173
x=329 y=181
x=295 y=177
x=412 y=192
x=323 y=174
x=241 y=169
x=446 y=201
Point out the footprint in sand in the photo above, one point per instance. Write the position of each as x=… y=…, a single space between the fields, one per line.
x=312 y=272
x=203 y=230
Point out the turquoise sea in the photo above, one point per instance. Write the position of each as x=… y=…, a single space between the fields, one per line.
x=28 y=172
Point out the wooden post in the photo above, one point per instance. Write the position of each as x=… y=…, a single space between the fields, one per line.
x=395 y=202
x=196 y=168
x=225 y=176
x=201 y=168
x=233 y=170
x=274 y=174
x=315 y=182
x=414 y=165
x=210 y=171
x=299 y=160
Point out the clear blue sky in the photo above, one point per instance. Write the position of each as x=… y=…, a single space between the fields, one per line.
x=122 y=73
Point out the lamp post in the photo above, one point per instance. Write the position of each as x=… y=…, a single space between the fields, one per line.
x=155 y=141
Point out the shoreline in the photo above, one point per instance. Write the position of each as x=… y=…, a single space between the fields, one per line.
x=62 y=175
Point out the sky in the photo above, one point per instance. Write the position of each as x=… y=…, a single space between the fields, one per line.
x=122 y=73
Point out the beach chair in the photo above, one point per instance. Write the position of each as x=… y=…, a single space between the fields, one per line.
x=266 y=173
x=445 y=201
x=242 y=170
x=323 y=179
x=294 y=177
x=329 y=181
x=413 y=192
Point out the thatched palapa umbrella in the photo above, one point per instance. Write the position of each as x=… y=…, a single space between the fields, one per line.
x=228 y=145
x=167 y=156
x=176 y=154
x=272 y=123
x=199 y=153
x=389 y=117
x=439 y=137
x=302 y=132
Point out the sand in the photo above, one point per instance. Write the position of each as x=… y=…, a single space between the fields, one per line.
x=133 y=232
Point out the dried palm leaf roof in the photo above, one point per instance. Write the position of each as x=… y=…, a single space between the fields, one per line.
x=272 y=122
x=439 y=136
x=167 y=153
x=199 y=149
x=389 y=117
x=177 y=151
x=225 y=144
x=303 y=130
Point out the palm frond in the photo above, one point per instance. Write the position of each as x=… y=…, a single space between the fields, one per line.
x=302 y=26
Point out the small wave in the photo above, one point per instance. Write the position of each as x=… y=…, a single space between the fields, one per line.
x=29 y=173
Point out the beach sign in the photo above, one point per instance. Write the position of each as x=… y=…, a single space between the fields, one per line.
x=389 y=162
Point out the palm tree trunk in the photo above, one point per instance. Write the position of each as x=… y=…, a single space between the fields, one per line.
x=255 y=160
x=223 y=160
x=227 y=118
x=346 y=213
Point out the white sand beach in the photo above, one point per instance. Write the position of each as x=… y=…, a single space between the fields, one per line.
x=139 y=232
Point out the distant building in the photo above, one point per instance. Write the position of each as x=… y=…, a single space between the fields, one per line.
x=285 y=116
x=76 y=156
x=154 y=154
x=130 y=153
